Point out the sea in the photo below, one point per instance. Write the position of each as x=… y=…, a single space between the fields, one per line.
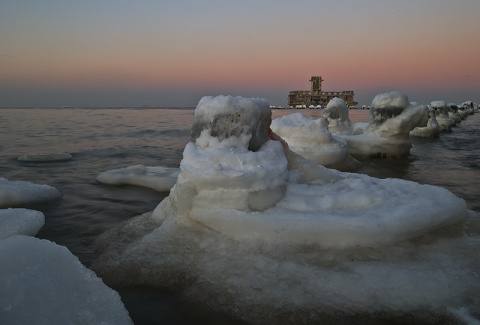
x=101 y=139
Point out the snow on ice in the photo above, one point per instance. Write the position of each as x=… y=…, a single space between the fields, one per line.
x=42 y=282
x=21 y=194
x=257 y=230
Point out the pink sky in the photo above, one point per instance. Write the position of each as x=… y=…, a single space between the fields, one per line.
x=124 y=54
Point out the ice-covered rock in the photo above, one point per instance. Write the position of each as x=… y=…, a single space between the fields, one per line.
x=336 y=115
x=443 y=117
x=311 y=139
x=391 y=118
x=431 y=130
x=244 y=224
x=391 y=115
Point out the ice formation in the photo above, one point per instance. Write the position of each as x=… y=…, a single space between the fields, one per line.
x=454 y=113
x=40 y=281
x=443 y=116
x=20 y=222
x=258 y=231
x=431 y=130
x=336 y=114
x=311 y=138
x=21 y=194
x=43 y=283
x=391 y=118
x=157 y=178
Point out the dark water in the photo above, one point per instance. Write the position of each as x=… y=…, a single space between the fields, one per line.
x=104 y=139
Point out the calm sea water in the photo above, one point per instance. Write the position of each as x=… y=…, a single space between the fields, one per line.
x=104 y=139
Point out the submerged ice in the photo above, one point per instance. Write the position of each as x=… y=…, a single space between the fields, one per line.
x=255 y=229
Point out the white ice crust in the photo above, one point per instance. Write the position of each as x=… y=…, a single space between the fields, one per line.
x=158 y=178
x=311 y=138
x=266 y=232
x=40 y=281
x=431 y=130
x=332 y=141
x=336 y=114
x=21 y=193
x=391 y=118
x=20 y=222
x=443 y=117
x=43 y=283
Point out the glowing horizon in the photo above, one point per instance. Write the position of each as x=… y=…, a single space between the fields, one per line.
x=166 y=54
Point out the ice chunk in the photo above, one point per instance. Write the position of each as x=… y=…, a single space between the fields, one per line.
x=311 y=139
x=21 y=193
x=391 y=118
x=43 y=283
x=20 y=222
x=443 y=116
x=431 y=130
x=336 y=114
x=226 y=117
x=157 y=178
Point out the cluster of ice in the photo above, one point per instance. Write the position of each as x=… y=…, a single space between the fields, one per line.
x=157 y=178
x=22 y=194
x=42 y=282
x=431 y=130
x=391 y=118
x=450 y=115
x=336 y=114
x=311 y=139
x=333 y=139
x=443 y=116
x=257 y=230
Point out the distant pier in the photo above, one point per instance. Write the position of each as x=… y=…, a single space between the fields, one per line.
x=316 y=97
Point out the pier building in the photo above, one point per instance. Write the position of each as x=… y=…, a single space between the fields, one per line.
x=317 y=97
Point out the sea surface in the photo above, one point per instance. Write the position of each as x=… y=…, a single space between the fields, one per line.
x=101 y=139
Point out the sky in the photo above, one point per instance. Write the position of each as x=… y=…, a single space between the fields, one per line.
x=106 y=53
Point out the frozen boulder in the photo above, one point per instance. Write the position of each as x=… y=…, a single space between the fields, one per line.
x=431 y=130
x=443 y=117
x=226 y=117
x=391 y=118
x=311 y=139
x=336 y=115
